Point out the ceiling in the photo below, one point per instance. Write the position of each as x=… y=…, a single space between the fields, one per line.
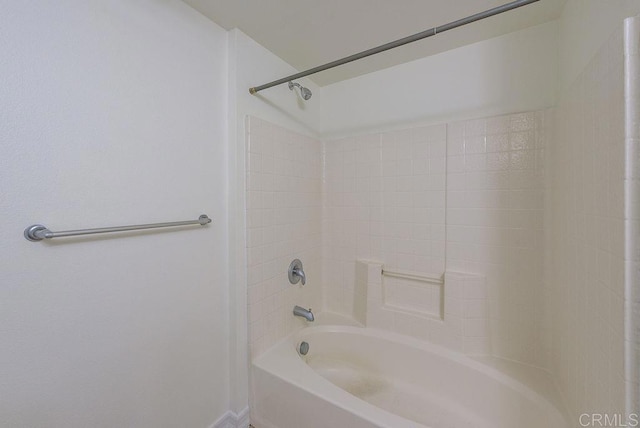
x=307 y=33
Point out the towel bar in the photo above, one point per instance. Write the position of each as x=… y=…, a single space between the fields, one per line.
x=38 y=232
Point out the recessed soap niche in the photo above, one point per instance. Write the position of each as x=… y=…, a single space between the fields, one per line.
x=450 y=311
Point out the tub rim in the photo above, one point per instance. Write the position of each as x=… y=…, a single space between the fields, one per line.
x=291 y=368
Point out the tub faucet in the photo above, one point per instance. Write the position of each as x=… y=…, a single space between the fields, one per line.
x=304 y=313
x=296 y=272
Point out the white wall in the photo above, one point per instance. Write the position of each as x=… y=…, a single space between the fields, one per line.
x=511 y=73
x=113 y=112
x=584 y=26
x=254 y=65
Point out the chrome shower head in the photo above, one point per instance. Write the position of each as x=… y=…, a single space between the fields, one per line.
x=304 y=92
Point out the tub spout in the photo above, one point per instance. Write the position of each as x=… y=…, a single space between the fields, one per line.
x=304 y=313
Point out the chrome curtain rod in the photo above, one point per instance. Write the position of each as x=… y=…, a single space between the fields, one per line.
x=400 y=42
x=38 y=232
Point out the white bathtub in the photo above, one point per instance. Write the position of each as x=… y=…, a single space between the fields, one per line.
x=360 y=377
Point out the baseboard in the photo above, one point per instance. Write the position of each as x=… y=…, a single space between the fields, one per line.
x=233 y=420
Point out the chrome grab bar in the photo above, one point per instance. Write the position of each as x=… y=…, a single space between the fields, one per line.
x=38 y=232
x=414 y=276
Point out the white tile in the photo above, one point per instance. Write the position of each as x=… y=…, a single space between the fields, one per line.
x=455 y=147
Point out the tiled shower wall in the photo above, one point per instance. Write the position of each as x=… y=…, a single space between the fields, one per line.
x=478 y=194
x=384 y=199
x=585 y=249
x=495 y=201
x=472 y=191
x=283 y=223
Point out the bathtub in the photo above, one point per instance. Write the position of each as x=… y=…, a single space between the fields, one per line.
x=363 y=378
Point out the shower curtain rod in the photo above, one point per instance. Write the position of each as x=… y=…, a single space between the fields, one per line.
x=409 y=39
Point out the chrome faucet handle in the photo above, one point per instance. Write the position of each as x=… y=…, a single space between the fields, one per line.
x=300 y=273
x=296 y=272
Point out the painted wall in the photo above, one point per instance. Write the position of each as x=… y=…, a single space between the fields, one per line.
x=584 y=27
x=253 y=65
x=113 y=112
x=511 y=73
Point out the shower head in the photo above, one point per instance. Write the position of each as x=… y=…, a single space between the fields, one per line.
x=304 y=92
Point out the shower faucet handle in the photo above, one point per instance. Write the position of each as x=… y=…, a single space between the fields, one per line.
x=296 y=272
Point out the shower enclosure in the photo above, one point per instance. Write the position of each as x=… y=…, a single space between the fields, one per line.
x=535 y=211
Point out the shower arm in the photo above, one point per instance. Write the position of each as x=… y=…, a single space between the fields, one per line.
x=400 y=42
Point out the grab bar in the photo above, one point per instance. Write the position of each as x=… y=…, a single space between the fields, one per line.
x=413 y=276
x=38 y=232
